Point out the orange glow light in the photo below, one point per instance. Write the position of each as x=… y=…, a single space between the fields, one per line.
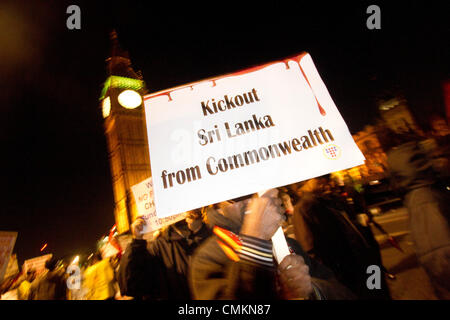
x=45 y=246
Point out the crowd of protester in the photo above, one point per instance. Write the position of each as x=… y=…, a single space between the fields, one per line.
x=224 y=251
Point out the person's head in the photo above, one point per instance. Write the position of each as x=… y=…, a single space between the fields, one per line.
x=31 y=275
x=194 y=220
x=439 y=126
x=51 y=263
x=97 y=257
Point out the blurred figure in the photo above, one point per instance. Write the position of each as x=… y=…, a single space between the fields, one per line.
x=428 y=204
x=23 y=291
x=237 y=261
x=440 y=147
x=51 y=285
x=158 y=269
x=115 y=263
x=440 y=130
x=325 y=225
x=99 y=279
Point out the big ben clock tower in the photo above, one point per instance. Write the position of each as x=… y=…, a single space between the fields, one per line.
x=125 y=130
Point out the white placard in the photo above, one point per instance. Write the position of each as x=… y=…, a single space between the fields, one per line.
x=37 y=263
x=143 y=196
x=235 y=135
x=280 y=246
x=7 y=242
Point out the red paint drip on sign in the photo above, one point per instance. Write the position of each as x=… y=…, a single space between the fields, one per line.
x=296 y=59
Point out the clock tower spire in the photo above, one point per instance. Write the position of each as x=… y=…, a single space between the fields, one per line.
x=122 y=108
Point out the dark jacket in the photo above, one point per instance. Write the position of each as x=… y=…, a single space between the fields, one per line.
x=323 y=225
x=158 y=269
x=219 y=272
x=49 y=286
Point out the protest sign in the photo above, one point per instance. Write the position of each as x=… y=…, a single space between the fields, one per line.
x=234 y=135
x=37 y=263
x=7 y=242
x=143 y=196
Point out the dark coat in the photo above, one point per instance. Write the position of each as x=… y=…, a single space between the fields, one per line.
x=214 y=275
x=158 y=269
x=325 y=229
x=49 y=286
x=428 y=205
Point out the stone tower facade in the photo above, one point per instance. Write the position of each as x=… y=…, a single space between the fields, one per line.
x=122 y=108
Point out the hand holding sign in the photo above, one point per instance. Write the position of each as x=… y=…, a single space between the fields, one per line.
x=264 y=216
x=295 y=277
x=148 y=220
x=280 y=246
x=138 y=227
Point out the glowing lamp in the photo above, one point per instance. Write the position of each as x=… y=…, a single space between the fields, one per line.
x=129 y=99
x=76 y=260
x=106 y=107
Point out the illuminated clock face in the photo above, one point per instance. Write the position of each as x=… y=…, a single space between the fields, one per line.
x=106 y=107
x=129 y=99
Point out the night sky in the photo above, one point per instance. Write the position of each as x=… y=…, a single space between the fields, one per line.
x=56 y=181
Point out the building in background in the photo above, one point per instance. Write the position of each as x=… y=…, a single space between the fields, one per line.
x=375 y=165
x=125 y=130
x=396 y=114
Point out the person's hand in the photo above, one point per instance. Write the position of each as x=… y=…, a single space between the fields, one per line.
x=294 y=277
x=136 y=228
x=263 y=216
x=233 y=210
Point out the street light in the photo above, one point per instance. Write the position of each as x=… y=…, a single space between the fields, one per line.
x=75 y=261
